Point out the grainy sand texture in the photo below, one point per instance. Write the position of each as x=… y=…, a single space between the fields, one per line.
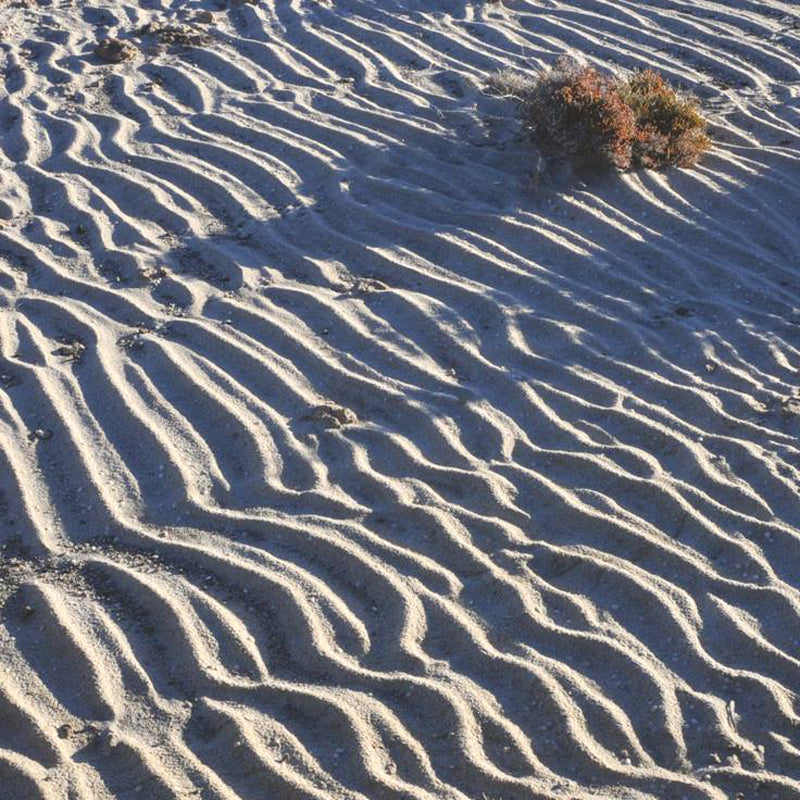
x=349 y=451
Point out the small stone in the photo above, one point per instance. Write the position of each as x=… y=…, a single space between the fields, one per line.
x=333 y=416
x=166 y=34
x=369 y=286
x=153 y=272
x=115 y=50
x=72 y=350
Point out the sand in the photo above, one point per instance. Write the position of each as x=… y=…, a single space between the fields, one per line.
x=348 y=450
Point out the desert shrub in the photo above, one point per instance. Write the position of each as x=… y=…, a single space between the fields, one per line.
x=670 y=130
x=578 y=114
x=596 y=121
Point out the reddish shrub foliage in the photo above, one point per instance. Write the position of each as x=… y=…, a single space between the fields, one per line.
x=579 y=115
x=669 y=128
x=596 y=122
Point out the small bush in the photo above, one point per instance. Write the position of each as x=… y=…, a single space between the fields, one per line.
x=669 y=128
x=579 y=115
x=595 y=121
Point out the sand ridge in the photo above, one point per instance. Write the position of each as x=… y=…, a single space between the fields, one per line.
x=348 y=452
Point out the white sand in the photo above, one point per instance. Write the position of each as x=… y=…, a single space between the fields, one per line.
x=543 y=541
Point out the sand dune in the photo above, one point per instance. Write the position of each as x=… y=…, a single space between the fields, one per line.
x=346 y=451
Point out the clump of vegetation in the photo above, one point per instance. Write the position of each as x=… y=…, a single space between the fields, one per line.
x=595 y=121
x=579 y=115
x=670 y=130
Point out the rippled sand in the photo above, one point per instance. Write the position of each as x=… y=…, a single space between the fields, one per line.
x=345 y=452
